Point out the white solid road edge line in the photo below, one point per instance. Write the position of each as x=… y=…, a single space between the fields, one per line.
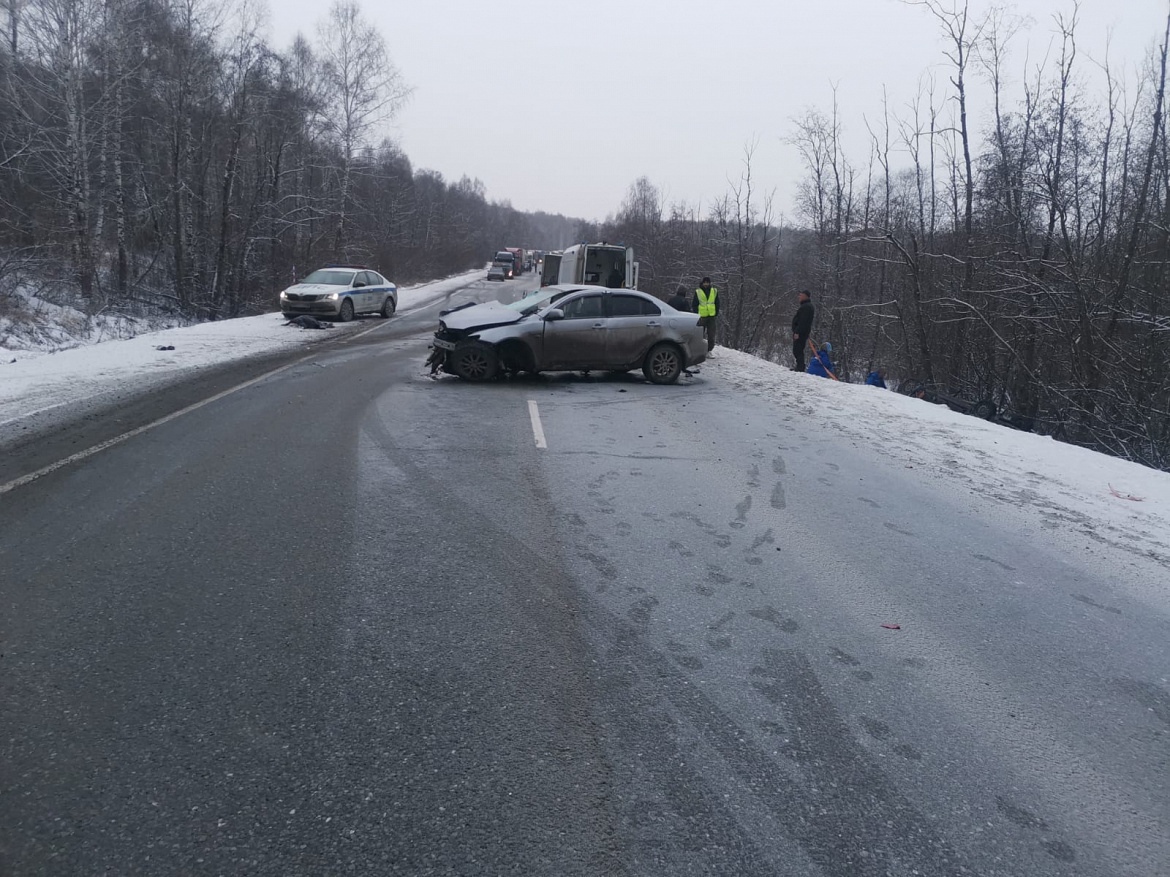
x=109 y=443
x=537 y=429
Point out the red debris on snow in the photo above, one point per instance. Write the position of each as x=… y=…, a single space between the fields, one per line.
x=1128 y=496
x=892 y=626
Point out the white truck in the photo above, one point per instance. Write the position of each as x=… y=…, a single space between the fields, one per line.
x=600 y=264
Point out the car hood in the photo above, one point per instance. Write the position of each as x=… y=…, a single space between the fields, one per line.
x=316 y=288
x=481 y=316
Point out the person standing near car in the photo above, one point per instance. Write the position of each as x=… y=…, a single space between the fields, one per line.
x=678 y=301
x=802 y=328
x=707 y=309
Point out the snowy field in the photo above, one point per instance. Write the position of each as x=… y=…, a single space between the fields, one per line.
x=1058 y=490
x=35 y=382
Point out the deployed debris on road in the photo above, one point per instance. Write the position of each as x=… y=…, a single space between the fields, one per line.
x=307 y=322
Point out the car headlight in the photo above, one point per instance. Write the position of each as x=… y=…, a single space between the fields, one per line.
x=332 y=296
x=442 y=326
x=283 y=294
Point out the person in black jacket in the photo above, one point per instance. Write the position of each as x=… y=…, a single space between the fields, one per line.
x=678 y=301
x=802 y=328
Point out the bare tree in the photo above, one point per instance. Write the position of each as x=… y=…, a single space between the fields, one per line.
x=364 y=90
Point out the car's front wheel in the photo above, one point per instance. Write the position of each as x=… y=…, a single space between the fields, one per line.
x=388 y=307
x=663 y=364
x=346 y=312
x=474 y=361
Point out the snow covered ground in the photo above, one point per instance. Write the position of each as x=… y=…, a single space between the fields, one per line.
x=37 y=382
x=1063 y=491
x=1074 y=496
x=30 y=325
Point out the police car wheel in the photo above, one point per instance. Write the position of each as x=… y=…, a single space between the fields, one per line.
x=387 y=308
x=346 y=312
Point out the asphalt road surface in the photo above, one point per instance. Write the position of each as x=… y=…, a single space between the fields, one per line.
x=353 y=620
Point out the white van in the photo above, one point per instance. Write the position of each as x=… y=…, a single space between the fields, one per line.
x=598 y=264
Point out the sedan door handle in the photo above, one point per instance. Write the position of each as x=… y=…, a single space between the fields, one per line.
x=599 y=325
x=653 y=323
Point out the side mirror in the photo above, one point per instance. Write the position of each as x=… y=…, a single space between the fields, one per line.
x=554 y=315
x=359 y=284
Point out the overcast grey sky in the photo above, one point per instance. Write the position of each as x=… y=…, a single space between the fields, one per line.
x=559 y=105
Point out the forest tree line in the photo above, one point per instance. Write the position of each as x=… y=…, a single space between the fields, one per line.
x=1028 y=263
x=159 y=154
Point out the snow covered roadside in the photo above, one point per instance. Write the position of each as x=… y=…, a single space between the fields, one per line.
x=1061 y=489
x=39 y=382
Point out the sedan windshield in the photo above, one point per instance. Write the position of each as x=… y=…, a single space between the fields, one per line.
x=330 y=278
x=530 y=304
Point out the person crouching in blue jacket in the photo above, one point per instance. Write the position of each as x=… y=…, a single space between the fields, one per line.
x=876 y=378
x=821 y=364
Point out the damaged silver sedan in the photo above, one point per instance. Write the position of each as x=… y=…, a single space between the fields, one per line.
x=581 y=328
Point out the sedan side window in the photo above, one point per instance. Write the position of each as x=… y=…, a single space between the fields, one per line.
x=585 y=308
x=632 y=306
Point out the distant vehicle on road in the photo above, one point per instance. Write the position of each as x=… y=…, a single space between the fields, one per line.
x=497 y=272
x=550 y=269
x=507 y=261
x=341 y=292
x=517 y=258
x=582 y=328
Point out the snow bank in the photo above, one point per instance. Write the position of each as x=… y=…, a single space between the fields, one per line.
x=1071 y=490
x=30 y=326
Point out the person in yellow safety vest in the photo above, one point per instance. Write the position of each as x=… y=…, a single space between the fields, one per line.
x=707 y=309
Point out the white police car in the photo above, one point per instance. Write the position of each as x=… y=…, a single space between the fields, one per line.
x=341 y=292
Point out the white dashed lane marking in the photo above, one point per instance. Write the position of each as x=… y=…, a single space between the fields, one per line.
x=537 y=428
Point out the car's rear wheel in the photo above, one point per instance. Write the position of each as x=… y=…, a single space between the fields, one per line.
x=346 y=312
x=663 y=364
x=388 y=307
x=984 y=409
x=475 y=361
